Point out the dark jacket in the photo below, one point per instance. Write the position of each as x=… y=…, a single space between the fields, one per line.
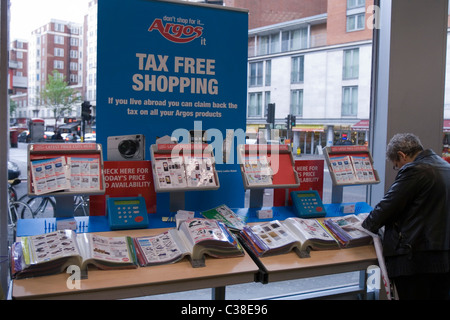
x=416 y=210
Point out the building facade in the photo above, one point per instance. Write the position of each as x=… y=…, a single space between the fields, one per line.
x=312 y=59
x=317 y=68
x=18 y=79
x=90 y=58
x=57 y=45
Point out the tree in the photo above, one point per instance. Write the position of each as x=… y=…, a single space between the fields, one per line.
x=12 y=107
x=58 y=96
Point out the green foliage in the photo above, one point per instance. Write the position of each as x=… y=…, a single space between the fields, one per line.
x=12 y=106
x=58 y=96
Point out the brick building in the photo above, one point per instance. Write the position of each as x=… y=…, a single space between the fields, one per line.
x=264 y=13
x=316 y=67
x=18 y=79
x=311 y=58
x=57 y=45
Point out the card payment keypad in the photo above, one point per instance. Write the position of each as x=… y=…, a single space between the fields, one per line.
x=311 y=205
x=127 y=213
x=307 y=204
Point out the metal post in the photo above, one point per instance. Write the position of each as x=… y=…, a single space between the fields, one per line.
x=4 y=142
x=218 y=293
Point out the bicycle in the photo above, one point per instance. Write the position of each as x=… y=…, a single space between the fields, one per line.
x=45 y=206
x=41 y=206
x=16 y=208
x=81 y=205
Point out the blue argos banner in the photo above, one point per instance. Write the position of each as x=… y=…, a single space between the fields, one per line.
x=172 y=67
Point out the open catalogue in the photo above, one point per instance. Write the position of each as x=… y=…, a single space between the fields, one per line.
x=348 y=169
x=195 y=238
x=183 y=172
x=343 y=229
x=279 y=237
x=303 y=235
x=53 y=252
x=73 y=173
x=257 y=170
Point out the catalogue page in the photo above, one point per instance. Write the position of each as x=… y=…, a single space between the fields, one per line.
x=84 y=174
x=49 y=175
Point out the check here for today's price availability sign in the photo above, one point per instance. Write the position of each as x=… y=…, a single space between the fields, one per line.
x=165 y=66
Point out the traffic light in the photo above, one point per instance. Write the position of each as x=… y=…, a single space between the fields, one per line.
x=86 y=111
x=293 y=118
x=271 y=113
x=288 y=122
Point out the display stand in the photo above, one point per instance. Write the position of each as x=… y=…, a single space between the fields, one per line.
x=266 y=166
x=349 y=166
x=63 y=171
x=178 y=168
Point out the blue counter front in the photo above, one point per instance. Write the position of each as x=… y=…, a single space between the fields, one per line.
x=30 y=227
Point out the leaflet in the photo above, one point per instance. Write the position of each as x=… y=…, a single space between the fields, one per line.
x=84 y=174
x=199 y=171
x=170 y=172
x=179 y=172
x=49 y=175
x=363 y=168
x=258 y=171
x=65 y=173
x=343 y=169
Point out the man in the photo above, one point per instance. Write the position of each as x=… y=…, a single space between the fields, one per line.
x=416 y=215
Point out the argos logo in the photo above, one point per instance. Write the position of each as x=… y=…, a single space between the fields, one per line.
x=178 y=33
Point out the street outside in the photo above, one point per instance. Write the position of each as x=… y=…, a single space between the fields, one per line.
x=19 y=156
x=309 y=287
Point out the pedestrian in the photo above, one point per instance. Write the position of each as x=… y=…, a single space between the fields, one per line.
x=415 y=214
x=57 y=136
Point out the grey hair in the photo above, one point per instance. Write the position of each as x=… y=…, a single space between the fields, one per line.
x=407 y=143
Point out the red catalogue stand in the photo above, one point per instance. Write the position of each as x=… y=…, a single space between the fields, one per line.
x=63 y=170
x=349 y=166
x=266 y=166
x=178 y=168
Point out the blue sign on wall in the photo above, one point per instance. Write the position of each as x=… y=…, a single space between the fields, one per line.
x=173 y=66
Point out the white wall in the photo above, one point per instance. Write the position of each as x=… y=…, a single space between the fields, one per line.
x=322 y=86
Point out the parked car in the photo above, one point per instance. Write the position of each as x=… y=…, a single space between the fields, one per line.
x=68 y=137
x=22 y=137
x=90 y=137
x=13 y=170
x=48 y=135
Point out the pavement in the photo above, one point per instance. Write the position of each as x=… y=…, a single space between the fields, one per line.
x=293 y=289
x=19 y=156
